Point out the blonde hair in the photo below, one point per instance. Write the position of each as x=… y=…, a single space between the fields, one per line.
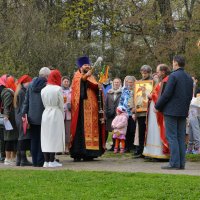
x=15 y=101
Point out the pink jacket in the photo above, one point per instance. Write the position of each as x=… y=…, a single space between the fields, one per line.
x=120 y=123
x=67 y=94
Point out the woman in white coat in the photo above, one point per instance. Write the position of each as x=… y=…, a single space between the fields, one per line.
x=52 y=127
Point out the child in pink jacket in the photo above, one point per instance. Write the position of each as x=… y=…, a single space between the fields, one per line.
x=119 y=124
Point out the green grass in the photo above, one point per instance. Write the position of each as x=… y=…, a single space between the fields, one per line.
x=52 y=185
x=193 y=157
x=110 y=154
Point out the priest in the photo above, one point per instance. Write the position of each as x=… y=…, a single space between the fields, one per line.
x=87 y=129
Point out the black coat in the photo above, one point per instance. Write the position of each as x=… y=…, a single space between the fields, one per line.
x=175 y=100
x=7 y=97
x=18 y=115
x=110 y=108
x=33 y=105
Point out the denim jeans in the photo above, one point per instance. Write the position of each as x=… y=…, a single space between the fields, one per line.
x=175 y=133
x=194 y=133
x=36 y=151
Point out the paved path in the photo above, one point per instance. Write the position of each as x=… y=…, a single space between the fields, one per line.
x=118 y=164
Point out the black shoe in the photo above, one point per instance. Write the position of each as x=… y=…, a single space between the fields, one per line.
x=39 y=165
x=181 y=168
x=168 y=167
x=24 y=160
x=26 y=163
x=138 y=156
x=2 y=159
x=77 y=159
x=18 y=159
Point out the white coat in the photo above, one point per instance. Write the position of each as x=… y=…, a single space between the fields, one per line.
x=52 y=126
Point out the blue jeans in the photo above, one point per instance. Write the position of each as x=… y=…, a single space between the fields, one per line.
x=36 y=151
x=175 y=133
x=194 y=133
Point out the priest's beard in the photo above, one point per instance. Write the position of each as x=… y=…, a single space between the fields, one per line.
x=85 y=71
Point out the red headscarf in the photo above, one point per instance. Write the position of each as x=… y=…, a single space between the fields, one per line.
x=10 y=83
x=3 y=80
x=54 y=78
x=24 y=79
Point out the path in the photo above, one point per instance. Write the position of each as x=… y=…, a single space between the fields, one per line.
x=118 y=164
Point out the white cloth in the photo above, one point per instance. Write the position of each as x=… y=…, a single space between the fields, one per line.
x=52 y=127
x=194 y=110
x=154 y=144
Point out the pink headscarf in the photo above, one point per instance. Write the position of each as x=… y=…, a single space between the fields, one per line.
x=3 y=80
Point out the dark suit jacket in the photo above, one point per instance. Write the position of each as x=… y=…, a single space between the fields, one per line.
x=110 y=108
x=175 y=100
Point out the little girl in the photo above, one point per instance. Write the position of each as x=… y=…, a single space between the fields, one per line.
x=119 y=124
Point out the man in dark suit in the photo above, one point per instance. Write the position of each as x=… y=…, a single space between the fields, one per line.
x=174 y=103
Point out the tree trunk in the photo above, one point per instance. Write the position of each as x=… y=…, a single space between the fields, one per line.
x=166 y=14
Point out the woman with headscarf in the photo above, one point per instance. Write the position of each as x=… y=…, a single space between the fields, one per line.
x=2 y=145
x=111 y=103
x=67 y=109
x=52 y=127
x=126 y=100
x=10 y=136
x=24 y=142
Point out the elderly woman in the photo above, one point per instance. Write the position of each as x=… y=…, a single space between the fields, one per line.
x=126 y=101
x=146 y=72
x=52 y=127
x=2 y=145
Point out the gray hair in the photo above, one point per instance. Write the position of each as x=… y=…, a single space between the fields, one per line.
x=44 y=72
x=131 y=78
x=146 y=68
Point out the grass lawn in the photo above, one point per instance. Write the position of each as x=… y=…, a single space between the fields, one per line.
x=51 y=185
x=109 y=154
x=193 y=157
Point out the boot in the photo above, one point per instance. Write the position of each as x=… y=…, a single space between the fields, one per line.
x=115 y=150
x=2 y=150
x=24 y=160
x=122 y=150
x=18 y=160
x=2 y=156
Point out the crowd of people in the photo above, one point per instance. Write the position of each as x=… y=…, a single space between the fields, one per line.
x=49 y=114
